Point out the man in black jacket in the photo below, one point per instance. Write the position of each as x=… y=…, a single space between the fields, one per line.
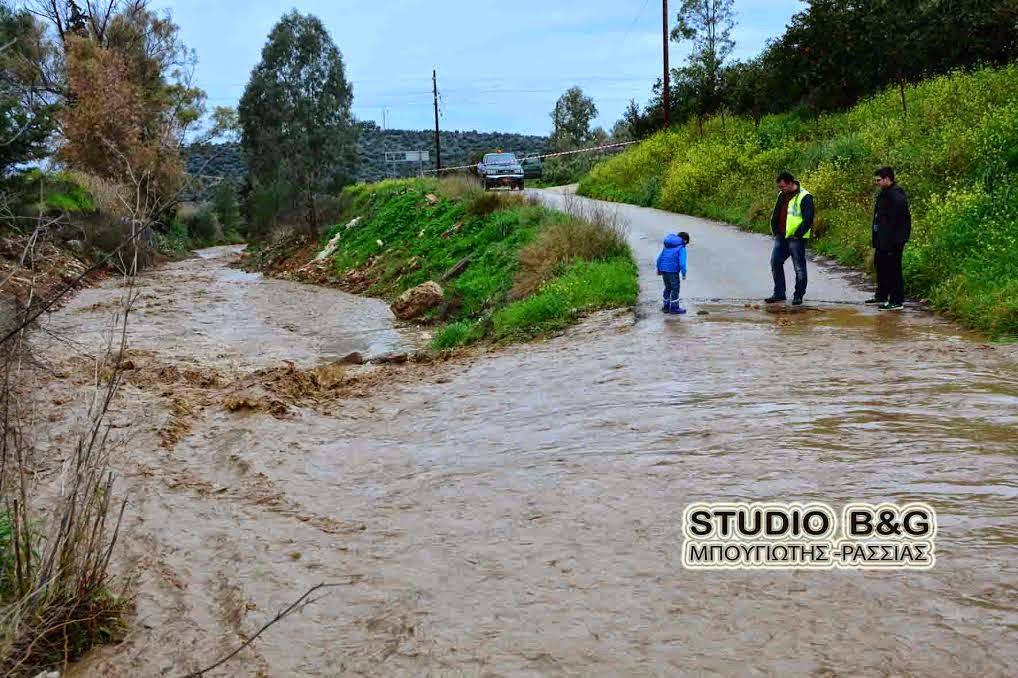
x=892 y=226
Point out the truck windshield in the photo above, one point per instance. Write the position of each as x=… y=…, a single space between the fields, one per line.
x=500 y=159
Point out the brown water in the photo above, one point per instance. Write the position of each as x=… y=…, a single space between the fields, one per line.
x=518 y=513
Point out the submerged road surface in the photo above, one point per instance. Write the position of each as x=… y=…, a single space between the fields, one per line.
x=520 y=513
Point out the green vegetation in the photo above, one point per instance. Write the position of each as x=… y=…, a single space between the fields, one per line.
x=50 y=620
x=585 y=285
x=955 y=154
x=832 y=54
x=530 y=270
x=297 y=130
x=571 y=120
x=25 y=122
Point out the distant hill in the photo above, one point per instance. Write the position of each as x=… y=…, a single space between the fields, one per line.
x=458 y=148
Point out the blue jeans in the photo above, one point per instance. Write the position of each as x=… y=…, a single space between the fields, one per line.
x=784 y=248
x=673 y=285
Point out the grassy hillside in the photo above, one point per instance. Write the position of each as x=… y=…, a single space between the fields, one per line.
x=531 y=270
x=956 y=155
x=458 y=148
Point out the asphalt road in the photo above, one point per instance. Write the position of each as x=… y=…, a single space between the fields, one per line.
x=725 y=264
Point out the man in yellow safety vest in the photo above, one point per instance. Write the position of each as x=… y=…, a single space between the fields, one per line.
x=791 y=224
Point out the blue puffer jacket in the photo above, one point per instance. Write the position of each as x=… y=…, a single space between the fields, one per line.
x=673 y=257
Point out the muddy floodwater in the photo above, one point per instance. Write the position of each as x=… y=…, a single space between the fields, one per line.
x=518 y=512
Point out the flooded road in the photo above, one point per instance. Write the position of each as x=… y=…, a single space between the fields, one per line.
x=518 y=513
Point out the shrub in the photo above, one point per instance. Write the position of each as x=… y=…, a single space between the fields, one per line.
x=225 y=206
x=586 y=233
x=485 y=202
x=202 y=225
x=458 y=186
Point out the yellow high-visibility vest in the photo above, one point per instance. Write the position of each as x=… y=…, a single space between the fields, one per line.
x=794 y=220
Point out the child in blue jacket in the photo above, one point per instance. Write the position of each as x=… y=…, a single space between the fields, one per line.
x=670 y=263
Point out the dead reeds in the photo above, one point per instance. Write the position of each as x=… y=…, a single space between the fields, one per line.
x=589 y=232
x=57 y=531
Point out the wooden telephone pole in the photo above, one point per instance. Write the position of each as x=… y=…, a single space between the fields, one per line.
x=438 y=141
x=665 y=92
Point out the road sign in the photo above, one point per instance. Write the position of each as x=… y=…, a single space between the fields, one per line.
x=407 y=156
x=392 y=158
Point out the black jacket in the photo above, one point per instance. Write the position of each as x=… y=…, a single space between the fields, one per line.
x=805 y=205
x=892 y=221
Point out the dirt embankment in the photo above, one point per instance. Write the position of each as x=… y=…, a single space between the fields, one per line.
x=32 y=272
x=293 y=258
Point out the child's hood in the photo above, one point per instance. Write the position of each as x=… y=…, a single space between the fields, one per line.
x=672 y=240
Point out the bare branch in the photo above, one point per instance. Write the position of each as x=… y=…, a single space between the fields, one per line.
x=282 y=615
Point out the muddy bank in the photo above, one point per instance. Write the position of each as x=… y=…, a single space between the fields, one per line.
x=518 y=512
x=32 y=272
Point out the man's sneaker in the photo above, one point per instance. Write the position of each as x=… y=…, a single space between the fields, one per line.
x=874 y=300
x=888 y=306
x=797 y=301
x=773 y=300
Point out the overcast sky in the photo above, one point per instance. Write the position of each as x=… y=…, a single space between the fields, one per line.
x=501 y=66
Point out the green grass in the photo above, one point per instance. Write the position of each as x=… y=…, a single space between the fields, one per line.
x=585 y=286
x=458 y=334
x=956 y=155
x=7 y=558
x=426 y=227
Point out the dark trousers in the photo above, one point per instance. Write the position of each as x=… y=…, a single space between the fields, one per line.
x=890 y=280
x=783 y=249
x=673 y=285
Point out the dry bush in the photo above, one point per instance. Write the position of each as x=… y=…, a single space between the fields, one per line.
x=57 y=537
x=485 y=202
x=458 y=186
x=332 y=209
x=111 y=223
x=110 y=199
x=590 y=233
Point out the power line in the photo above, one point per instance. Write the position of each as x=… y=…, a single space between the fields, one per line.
x=625 y=37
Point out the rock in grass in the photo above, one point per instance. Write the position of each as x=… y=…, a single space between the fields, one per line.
x=417 y=300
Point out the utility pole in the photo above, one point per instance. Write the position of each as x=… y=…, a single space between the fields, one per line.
x=438 y=142
x=665 y=93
